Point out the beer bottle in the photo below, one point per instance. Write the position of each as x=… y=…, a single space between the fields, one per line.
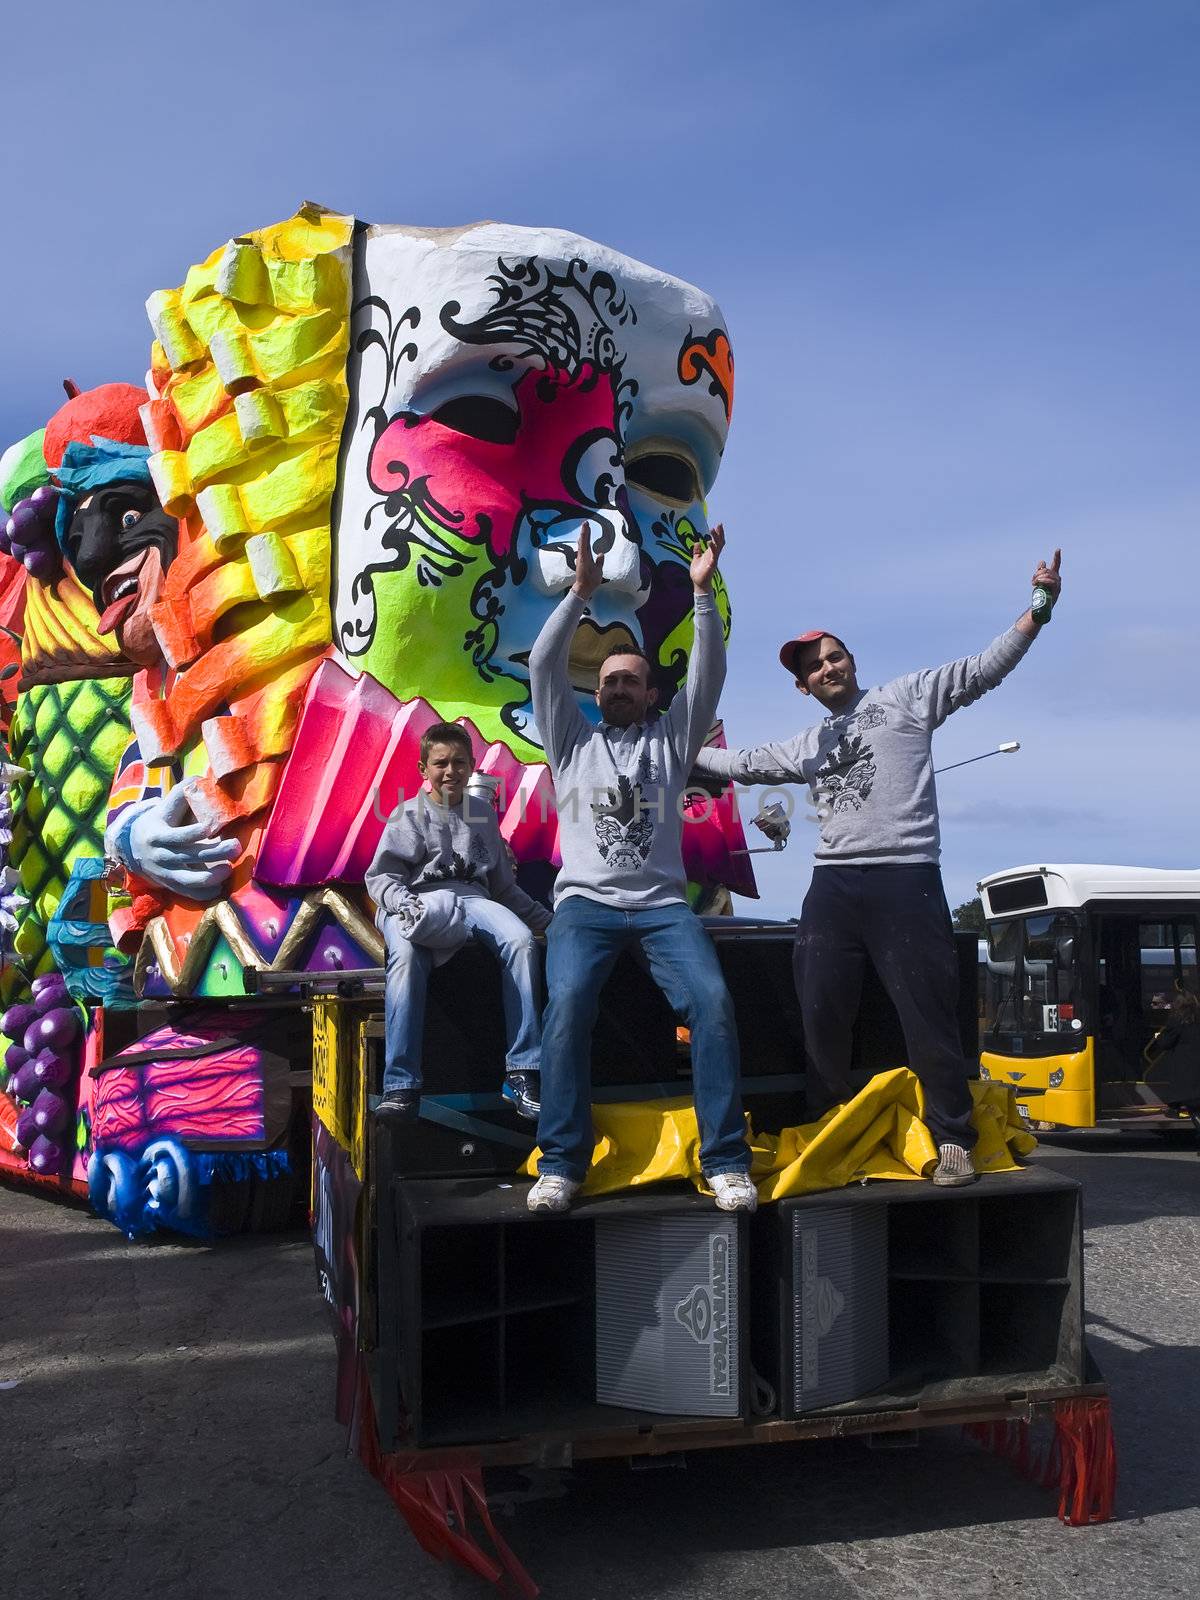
x=1041 y=605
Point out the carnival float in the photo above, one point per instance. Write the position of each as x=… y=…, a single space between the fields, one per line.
x=232 y=597
x=337 y=510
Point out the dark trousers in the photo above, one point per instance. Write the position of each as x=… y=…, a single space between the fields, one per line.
x=896 y=915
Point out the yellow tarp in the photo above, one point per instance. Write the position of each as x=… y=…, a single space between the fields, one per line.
x=878 y=1134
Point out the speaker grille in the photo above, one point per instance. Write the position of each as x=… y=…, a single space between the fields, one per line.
x=839 y=1303
x=667 y=1313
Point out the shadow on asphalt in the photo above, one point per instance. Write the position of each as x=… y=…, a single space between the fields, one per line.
x=224 y=1354
x=1101 y=1141
x=220 y=1357
x=830 y=1492
x=766 y=1499
x=1154 y=1388
x=1123 y=1176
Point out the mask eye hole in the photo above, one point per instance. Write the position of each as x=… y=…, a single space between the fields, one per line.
x=666 y=476
x=130 y=518
x=479 y=416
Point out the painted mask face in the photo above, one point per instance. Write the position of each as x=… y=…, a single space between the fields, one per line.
x=120 y=542
x=507 y=385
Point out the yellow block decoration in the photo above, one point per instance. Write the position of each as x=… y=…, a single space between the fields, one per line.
x=245 y=431
x=878 y=1134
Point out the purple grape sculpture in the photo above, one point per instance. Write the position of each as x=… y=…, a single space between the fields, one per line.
x=50 y=1113
x=43 y=1061
x=51 y=1071
x=14 y=1022
x=54 y=1030
x=46 y=1155
x=24 y=1084
x=27 y=1128
x=15 y=1056
x=49 y=990
x=28 y=534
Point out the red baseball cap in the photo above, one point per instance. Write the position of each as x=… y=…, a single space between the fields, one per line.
x=787 y=652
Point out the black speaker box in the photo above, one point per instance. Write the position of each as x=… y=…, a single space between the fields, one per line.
x=970 y=1285
x=488 y=1314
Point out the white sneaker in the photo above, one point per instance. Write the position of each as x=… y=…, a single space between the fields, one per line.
x=552 y=1193
x=734 y=1191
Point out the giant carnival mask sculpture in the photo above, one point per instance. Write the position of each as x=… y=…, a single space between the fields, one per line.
x=341 y=509
x=509 y=383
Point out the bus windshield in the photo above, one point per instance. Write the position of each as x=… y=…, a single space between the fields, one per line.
x=1033 y=992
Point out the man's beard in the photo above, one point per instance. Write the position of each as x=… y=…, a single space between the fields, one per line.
x=622 y=713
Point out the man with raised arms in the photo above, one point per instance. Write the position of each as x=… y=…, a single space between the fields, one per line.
x=619 y=788
x=877 y=889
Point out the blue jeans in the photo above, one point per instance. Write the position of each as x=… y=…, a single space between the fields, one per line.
x=582 y=946
x=408 y=966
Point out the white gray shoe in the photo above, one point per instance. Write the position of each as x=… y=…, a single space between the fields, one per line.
x=552 y=1193
x=734 y=1191
x=954 y=1167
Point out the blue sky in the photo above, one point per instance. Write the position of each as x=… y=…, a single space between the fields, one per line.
x=955 y=242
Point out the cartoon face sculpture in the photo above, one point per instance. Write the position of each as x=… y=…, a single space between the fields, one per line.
x=121 y=542
x=507 y=385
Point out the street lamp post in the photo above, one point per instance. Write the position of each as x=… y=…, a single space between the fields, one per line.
x=1004 y=749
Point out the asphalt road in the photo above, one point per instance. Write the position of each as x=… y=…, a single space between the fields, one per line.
x=166 y=1428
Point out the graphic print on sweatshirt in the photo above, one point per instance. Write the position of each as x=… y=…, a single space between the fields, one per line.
x=624 y=824
x=869 y=717
x=455 y=869
x=847 y=775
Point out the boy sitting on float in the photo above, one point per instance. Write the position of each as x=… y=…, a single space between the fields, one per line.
x=441 y=876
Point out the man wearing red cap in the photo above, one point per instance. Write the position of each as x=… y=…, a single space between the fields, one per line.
x=877 y=889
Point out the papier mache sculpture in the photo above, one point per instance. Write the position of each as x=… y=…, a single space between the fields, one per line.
x=339 y=510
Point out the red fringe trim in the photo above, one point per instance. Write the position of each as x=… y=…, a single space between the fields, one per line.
x=1080 y=1461
x=440 y=1508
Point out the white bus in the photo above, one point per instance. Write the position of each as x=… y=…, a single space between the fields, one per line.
x=1083 y=963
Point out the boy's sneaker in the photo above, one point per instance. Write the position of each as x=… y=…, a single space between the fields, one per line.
x=734 y=1191
x=399 y=1105
x=521 y=1090
x=954 y=1167
x=552 y=1193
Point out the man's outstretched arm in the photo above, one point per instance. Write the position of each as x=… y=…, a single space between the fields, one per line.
x=769 y=763
x=555 y=708
x=694 y=709
x=938 y=691
x=764 y=763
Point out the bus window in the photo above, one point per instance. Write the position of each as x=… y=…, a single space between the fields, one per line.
x=1002 y=989
x=1049 y=969
x=1032 y=983
x=1168 y=961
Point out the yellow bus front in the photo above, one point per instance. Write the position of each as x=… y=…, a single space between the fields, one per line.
x=1054 y=1088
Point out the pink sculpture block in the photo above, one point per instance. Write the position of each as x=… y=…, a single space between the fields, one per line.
x=355 y=758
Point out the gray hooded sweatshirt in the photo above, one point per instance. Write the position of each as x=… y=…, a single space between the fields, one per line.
x=430 y=859
x=870 y=769
x=619 y=790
